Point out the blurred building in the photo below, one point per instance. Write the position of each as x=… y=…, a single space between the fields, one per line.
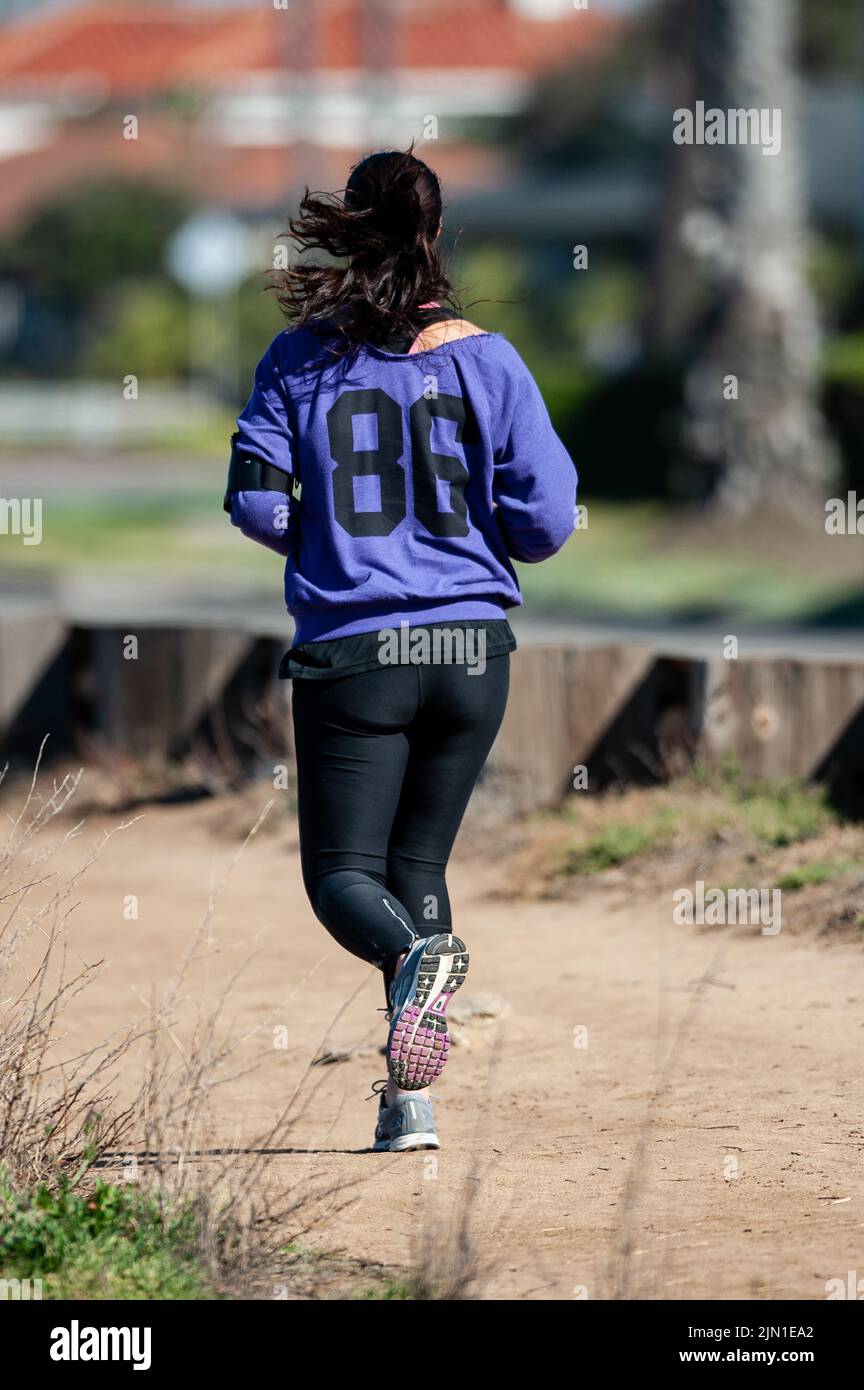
x=239 y=105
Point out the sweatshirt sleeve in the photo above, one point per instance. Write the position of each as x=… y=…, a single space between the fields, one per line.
x=535 y=478
x=264 y=430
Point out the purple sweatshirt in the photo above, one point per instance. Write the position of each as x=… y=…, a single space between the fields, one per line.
x=415 y=478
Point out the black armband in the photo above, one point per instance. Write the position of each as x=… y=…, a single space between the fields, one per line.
x=249 y=474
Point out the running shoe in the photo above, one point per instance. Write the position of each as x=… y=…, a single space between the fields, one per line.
x=406 y=1124
x=418 y=1042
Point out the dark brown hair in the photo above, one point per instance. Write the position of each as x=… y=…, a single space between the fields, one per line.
x=385 y=228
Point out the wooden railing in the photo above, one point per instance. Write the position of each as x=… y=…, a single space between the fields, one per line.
x=623 y=712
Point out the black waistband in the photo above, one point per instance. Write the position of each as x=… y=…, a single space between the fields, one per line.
x=348 y=656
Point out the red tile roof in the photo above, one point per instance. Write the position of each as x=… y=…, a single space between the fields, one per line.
x=136 y=53
x=264 y=178
x=133 y=54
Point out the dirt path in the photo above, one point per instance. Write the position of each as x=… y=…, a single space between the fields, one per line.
x=746 y=1184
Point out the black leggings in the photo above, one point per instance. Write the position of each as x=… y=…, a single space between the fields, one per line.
x=386 y=762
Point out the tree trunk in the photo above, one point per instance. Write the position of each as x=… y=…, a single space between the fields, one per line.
x=768 y=448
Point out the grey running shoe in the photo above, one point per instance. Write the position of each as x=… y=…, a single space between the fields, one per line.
x=406 y=1124
x=418 y=1043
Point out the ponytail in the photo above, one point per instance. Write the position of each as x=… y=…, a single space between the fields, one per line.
x=386 y=230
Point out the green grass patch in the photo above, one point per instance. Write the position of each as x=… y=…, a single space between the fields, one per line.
x=616 y=843
x=785 y=813
x=712 y=804
x=106 y=1243
x=179 y=534
x=820 y=872
x=775 y=812
x=390 y=1290
x=621 y=565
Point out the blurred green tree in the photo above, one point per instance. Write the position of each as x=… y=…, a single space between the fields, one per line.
x=79 y=243
x=831 y=37
x=144 y=328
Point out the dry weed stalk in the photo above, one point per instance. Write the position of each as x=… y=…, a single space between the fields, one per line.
x=53 y=1118
x=59 y=1121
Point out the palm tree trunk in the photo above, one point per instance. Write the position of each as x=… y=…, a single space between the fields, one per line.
x=768 y=448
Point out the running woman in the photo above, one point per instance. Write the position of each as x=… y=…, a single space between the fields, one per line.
x=399 y=458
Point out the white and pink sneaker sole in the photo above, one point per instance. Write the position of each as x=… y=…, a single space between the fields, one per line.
x=418 y=1044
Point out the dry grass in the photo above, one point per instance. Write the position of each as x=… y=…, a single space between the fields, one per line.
x=710 y=825
x=61 y=1128
x=54 y=1118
